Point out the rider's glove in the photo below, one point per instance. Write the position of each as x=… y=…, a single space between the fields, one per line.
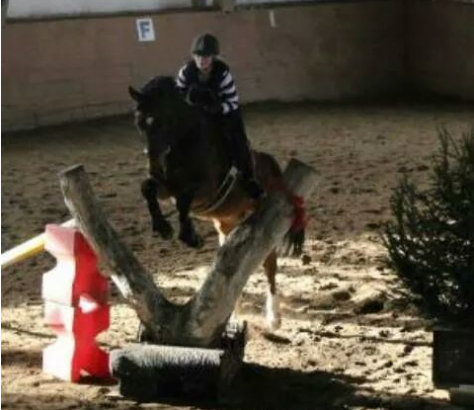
x=198 y=95
x=214 y=109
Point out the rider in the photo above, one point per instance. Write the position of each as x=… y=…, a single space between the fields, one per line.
x=206 y=82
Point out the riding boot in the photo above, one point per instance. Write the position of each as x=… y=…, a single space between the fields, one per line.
x=240 y=152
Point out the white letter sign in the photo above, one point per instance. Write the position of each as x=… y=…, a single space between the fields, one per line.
x=145 y=29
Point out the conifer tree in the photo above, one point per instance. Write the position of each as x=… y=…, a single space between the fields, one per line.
x=430 y=241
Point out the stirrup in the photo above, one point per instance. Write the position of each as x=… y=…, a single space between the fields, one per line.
x=234 y=171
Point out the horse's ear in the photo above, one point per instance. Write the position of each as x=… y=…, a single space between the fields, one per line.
x=136 y=95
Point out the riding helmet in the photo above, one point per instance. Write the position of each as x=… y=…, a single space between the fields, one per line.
x=205 y=45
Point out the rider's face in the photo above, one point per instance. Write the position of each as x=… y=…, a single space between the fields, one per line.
x=203 y=63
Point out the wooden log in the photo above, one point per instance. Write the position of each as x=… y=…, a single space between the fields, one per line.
x=243 y=252
x=133 y=281
x=202 y=320
x=150 y=372
x=147 y=372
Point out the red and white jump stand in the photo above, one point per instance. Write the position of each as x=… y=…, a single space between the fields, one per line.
x=76 y=308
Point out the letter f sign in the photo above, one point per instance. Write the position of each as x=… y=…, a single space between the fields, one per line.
x=145 y=29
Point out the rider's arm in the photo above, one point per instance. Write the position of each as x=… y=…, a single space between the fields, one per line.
x=182 y=80
x=228 y=93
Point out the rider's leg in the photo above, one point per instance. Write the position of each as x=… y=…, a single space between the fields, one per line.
x=240 y=151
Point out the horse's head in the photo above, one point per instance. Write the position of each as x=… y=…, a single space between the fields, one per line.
x=159 y=114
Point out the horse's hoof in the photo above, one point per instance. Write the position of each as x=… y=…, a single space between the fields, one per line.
x=163 y=229
x=193 y=241
x=143 y=335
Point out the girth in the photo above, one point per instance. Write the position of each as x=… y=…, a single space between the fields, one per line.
x=220 y=195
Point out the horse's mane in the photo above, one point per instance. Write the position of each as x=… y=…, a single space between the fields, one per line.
x=158 y=83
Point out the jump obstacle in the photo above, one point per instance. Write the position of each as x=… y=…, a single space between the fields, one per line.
x=79 y=312
x=76 y=309
x=197 y=352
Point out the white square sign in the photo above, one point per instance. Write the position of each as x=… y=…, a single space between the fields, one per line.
x=145 y=29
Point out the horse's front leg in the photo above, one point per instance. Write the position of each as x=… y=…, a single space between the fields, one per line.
x=159 y=223
x=187 y=233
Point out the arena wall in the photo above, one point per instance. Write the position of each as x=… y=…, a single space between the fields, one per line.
x=71 y=69
x=61 y=70
x=440 y=47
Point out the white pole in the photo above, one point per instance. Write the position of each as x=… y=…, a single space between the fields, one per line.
x=28 y=249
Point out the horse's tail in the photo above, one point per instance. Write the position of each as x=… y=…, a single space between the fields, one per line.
x=271 y=176
x=294 y=239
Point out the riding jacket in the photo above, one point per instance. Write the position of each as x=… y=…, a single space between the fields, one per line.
x=219 y=82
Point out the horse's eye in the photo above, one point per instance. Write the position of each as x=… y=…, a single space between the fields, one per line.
x=139 y=120
x=144 y=122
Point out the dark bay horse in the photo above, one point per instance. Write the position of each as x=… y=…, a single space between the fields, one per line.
x=189 y=161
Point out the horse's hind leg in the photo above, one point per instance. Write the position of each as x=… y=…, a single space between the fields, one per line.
x=223 y=228
x=159 y=223
x=273 y=316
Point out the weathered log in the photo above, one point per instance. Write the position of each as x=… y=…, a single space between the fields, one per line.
x=150 y=372
x=242 y=253
x=133 y=281
x=202 y=320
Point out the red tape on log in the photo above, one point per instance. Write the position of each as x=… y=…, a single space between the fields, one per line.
x=300 y=217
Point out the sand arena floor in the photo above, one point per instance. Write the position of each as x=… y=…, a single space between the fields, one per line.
x=330 y=353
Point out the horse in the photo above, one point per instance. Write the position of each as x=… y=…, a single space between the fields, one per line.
x=189 y=162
